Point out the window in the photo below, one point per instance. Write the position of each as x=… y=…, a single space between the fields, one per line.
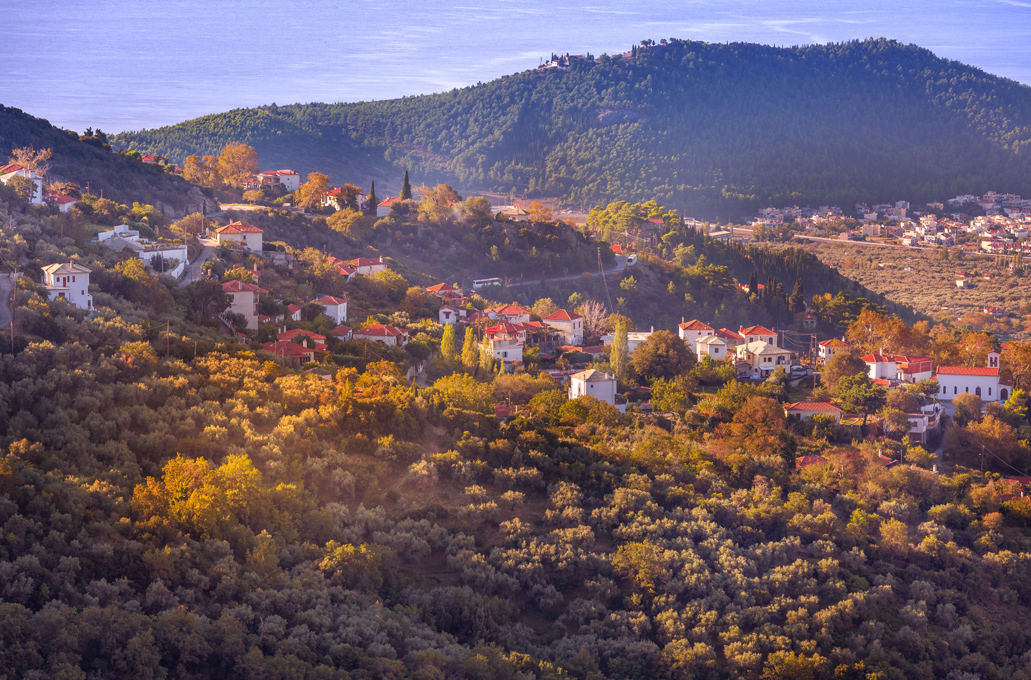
x=955 y=389
x=977 y=391
x=989 y=391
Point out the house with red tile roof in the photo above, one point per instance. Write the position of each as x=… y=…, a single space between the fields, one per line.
x=303 y=337
x=512 y=313
x=294 y=311
x=759 y=334
x=690 y=331
x=449 y=314
x=806 y=410
x=11 y=170
x=62 y=201
x=245 y=300
x=336 y=308
x=241 y=233
x=569 y=325
x=388 y=335
x=732 y=338
x=290 y=353
x=828 y=348
x=383 y=209
x=342 y=332
x=367 y=266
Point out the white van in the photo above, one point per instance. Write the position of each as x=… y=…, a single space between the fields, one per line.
x=483 y=283
x=631 y=260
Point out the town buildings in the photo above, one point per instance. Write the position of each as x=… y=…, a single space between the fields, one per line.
x=240 y=234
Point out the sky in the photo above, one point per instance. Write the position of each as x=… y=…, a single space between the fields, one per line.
x=132 y=64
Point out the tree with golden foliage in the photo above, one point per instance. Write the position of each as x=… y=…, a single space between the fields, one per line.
x=30 y=158
x=202 y=171
x=309 y=196
x=539 y=213
x=237 y=163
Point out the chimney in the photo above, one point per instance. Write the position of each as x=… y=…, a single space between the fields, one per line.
x=653 y=329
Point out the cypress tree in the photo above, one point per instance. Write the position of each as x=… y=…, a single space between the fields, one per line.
x=447 y=343
x=373 y=201
x=486 y=354
x=796 y=303
x=620 y=356
x=753 y=284
x=406 y=188
x=470 y=353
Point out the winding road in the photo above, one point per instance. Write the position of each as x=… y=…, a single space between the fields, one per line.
x=620 y=264
x=193 y=270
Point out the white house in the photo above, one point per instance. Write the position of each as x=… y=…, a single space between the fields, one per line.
x=294 y=312
x=711 y=346
x=510 y=313
x=69 y=282
x=12 y=170
x=828 y=348
x=150 y=252
x=388 y=335
x=690 y=331
x=982 y=381
x=449 y=314
x=633 y=339
x=806 y=410
x=290 y=180
x=383 y=209
x=248 y=235
x=245 y=301
x=601 y=386
x=759 y=359
x=63 y=202
x=342 y=332
x=336 y=308
x=569 y=325
x=122 y=231
x=880 y=366
x=367 y=266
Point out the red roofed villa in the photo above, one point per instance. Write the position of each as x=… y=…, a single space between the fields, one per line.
x=248 y=235
x=806 y=410
x=388 y=335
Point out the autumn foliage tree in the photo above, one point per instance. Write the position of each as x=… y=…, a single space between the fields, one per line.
x=237 y=163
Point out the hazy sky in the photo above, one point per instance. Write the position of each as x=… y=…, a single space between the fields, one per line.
x=124 y=64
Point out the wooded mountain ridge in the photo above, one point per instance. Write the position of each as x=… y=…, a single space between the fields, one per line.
x=712 y=129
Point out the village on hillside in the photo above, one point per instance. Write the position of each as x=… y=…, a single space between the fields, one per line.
x=582 y=347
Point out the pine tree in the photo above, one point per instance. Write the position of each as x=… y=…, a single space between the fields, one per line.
x=753 y=284
x=406 y=188
x=373 y=200
x=796 y=303
x=620 y=356
x=447 y=343
x=470 y=353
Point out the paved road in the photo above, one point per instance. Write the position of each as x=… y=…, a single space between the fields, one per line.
x=193 y=270
x=620 y=263
x=6 y=288
x=868 y=244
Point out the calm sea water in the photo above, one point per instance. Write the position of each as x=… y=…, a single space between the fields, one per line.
x=125 y=65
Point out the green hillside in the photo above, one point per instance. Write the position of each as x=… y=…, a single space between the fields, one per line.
x=713 y=129
x=89 y=163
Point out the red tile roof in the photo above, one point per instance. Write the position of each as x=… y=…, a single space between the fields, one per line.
x=833 y=342
x=728 y=334
x=327 y=300
x=812 y=406
x=966 y=370
x=11 y=167
x=382 y=330
x=239 y=228
x=60 y=199
x=878 y=359
x=756 y=330
x=806 y=461
x=286 y=348
x=509 y=310
x=695 y=325
x=291 y=334
x=341 y=331
x=562 y=315
x=241 y=287
x=294 y=308
x=441 y=288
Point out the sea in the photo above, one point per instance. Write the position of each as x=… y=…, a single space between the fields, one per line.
x=122 y=65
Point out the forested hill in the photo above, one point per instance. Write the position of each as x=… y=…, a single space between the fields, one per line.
x=702 y=127
x=88 y=162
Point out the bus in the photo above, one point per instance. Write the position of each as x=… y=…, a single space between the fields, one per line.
x=483 y=283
